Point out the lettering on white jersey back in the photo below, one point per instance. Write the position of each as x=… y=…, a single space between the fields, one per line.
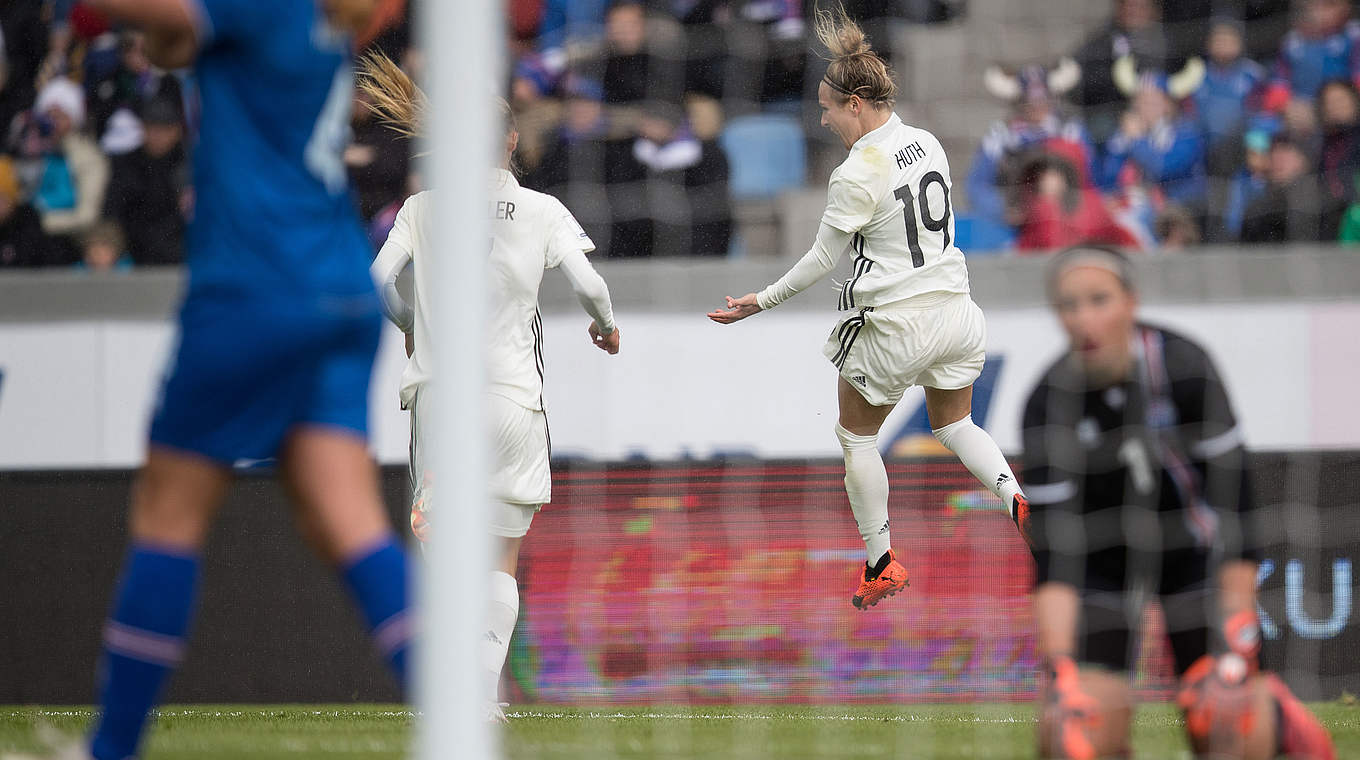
x=910 y=154
x=530 y=232
x=893 y=191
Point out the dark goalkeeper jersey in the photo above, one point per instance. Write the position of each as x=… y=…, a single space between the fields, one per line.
x=1143 y=479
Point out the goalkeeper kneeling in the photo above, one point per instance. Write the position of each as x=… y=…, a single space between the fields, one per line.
x=1138 y=491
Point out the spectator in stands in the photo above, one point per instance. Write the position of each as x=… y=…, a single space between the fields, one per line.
x=22 y=240
x=1290 y=209
x=149 y=193
x=568 y=30
x=770 y=39
x=636 y=67
x=1339 y=120
x=706 y=46
x=683 y=181
x=104 y=249
x=23 y=28
x=581 y=159
x=79 y=36
x=664 y=146
x=1035 y=124
x=1057 y=207
x=1249 y=184
x=72 y=173
x=1157 y=145
x=1134 y=31
x=1324 y=45
x=1230 y=92
x=126 y=85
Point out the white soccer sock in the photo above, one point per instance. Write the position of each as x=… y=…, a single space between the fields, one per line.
x=502 y=612
x=980 y=454
x=866 y=483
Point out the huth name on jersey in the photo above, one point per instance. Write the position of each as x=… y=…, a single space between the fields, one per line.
x=909 y=155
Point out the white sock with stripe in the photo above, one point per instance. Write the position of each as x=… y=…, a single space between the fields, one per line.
x=866 y=483
x=502 y=613
x=980 y=454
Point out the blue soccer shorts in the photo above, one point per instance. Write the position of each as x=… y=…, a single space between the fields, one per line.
x=246 y=371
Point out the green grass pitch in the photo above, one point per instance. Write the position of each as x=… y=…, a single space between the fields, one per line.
x=297 y=732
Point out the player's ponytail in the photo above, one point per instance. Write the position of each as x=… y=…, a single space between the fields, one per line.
x=392 y=95
x=855 y=69
x=401 y=105
x=507 y=114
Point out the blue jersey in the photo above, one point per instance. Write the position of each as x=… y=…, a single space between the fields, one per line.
x=274 y=216
x=281 y=321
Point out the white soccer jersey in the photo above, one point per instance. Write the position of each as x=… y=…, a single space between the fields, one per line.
x=893 y=193
x=530 y=232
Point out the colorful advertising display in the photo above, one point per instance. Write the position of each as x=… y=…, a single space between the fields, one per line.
x=731 y=583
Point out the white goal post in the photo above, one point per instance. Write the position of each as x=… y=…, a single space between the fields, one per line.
x=463 y=41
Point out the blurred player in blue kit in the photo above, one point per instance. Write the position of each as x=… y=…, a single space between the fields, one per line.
x=277 y=336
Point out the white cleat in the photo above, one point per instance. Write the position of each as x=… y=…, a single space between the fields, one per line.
x=59 y=746
x=495 y=713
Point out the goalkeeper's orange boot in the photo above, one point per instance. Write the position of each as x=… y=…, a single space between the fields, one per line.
x=883 y=580
x=1072 y=712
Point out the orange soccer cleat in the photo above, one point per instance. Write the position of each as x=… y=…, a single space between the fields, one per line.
x=1020 y=515
x=888 y=580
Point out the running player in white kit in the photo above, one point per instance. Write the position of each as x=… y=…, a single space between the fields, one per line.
x=911 y=319
x=531 y=232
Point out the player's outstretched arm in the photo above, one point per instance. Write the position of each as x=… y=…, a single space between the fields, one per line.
x=171 y=36
x=737 y=309
x=826 y=251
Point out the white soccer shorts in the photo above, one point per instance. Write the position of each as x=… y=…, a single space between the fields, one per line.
x=521 y=481
x=937 y=341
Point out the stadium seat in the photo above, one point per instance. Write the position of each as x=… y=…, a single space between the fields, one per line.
x=766 y=154
x=981 y=237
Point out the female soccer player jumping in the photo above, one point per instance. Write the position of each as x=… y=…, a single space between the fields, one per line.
x=1138 y=490
x=912 y=319
x=277 y=334
x=531 y=232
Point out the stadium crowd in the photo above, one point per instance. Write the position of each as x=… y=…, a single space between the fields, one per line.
x=1174 y=124
x=1165 y=148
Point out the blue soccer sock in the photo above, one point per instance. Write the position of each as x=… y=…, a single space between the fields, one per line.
x=379 y=579
x=143 y=642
